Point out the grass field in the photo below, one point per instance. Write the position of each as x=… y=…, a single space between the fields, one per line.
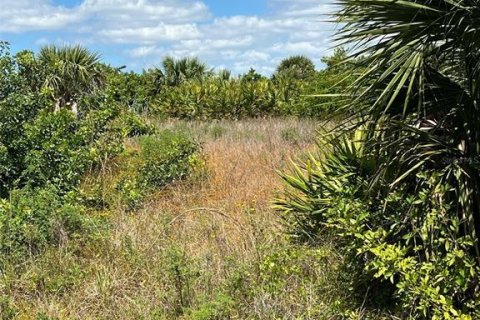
x=210 y=247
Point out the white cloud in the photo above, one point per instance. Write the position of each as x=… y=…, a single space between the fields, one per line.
x=119 y=11
x=28 y=15
x=160 y=32
x=141 y=52
x=142 y=31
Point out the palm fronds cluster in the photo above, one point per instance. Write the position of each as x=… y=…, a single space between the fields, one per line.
x=420 y=92
x=71 y=72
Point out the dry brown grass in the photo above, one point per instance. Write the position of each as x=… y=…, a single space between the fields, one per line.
x=190 y=241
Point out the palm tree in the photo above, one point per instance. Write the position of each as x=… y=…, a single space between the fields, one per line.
x=184 y=69
x=419 y=93
x=72 y=72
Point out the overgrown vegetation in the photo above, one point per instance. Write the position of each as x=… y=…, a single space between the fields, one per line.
x=46 y=149
x=148 y=195
x=82 y=148
x=401 y=194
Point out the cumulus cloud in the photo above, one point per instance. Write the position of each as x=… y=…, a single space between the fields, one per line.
x=29 y=15
x=154 y=34
x=143 y=31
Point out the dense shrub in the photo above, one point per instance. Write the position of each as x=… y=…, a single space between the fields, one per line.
x=132 y=90
x=427 y=259
x=56 y=152
x=166 y=157
x=296 y=67
x=19 y=104
x=33 y=219
x=148 y=163
x=44 y=155
x=296 y=89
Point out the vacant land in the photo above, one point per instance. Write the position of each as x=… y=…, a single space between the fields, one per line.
x=210 y=247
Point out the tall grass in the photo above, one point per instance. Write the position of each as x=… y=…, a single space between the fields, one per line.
x=207 y=248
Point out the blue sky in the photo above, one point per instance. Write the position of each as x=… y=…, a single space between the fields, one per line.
x=237 y=7
x=233 y=34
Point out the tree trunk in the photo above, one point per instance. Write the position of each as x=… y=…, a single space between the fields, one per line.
x=56 y=106
x=74 y=108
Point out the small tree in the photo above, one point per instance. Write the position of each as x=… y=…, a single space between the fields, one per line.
x=252 y=76
x=298 y=67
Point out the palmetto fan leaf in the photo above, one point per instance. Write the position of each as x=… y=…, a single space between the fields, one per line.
x=71 y=72
x=178 y=71
x=402 y=41
x=419 y=91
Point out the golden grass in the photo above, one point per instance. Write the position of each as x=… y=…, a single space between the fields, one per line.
x=189 y=242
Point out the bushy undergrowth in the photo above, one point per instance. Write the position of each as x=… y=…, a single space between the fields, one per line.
x=42 y=206
x=33 y=219
x=408 y=237
x=293 y=90
x=167 y=157
x=149 y=163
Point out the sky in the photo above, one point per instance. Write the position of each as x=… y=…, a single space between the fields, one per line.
x=233 y=34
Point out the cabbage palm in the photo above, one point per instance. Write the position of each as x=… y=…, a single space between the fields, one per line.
x=72 y=72
x=419 y=92
x=184 y=69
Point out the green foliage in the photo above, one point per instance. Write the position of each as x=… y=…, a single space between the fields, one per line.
x=7 y=312
x=132 y=90
x=218 y=309
x=428 y=259
x=33 y=219
x=295 y=90
x=416 y=94
x=419 y=93
x=166 y=157
x=151 y=162
x=43 y=155
x=296 y=67
x=177 y=71
x=71 y=73
x=131 y=124
x=215 y=99
x=252 y=76
x=56 y=153
x=323 y=94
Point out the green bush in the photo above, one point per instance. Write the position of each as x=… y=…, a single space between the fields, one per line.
x=131 y=124
x=167 y=157
x=298 y=67
x=410 y=238
x=216 y=98
x=148 y=163
x=33 y=219
x=218 y=309
x=56 y=153
x=44 y=155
